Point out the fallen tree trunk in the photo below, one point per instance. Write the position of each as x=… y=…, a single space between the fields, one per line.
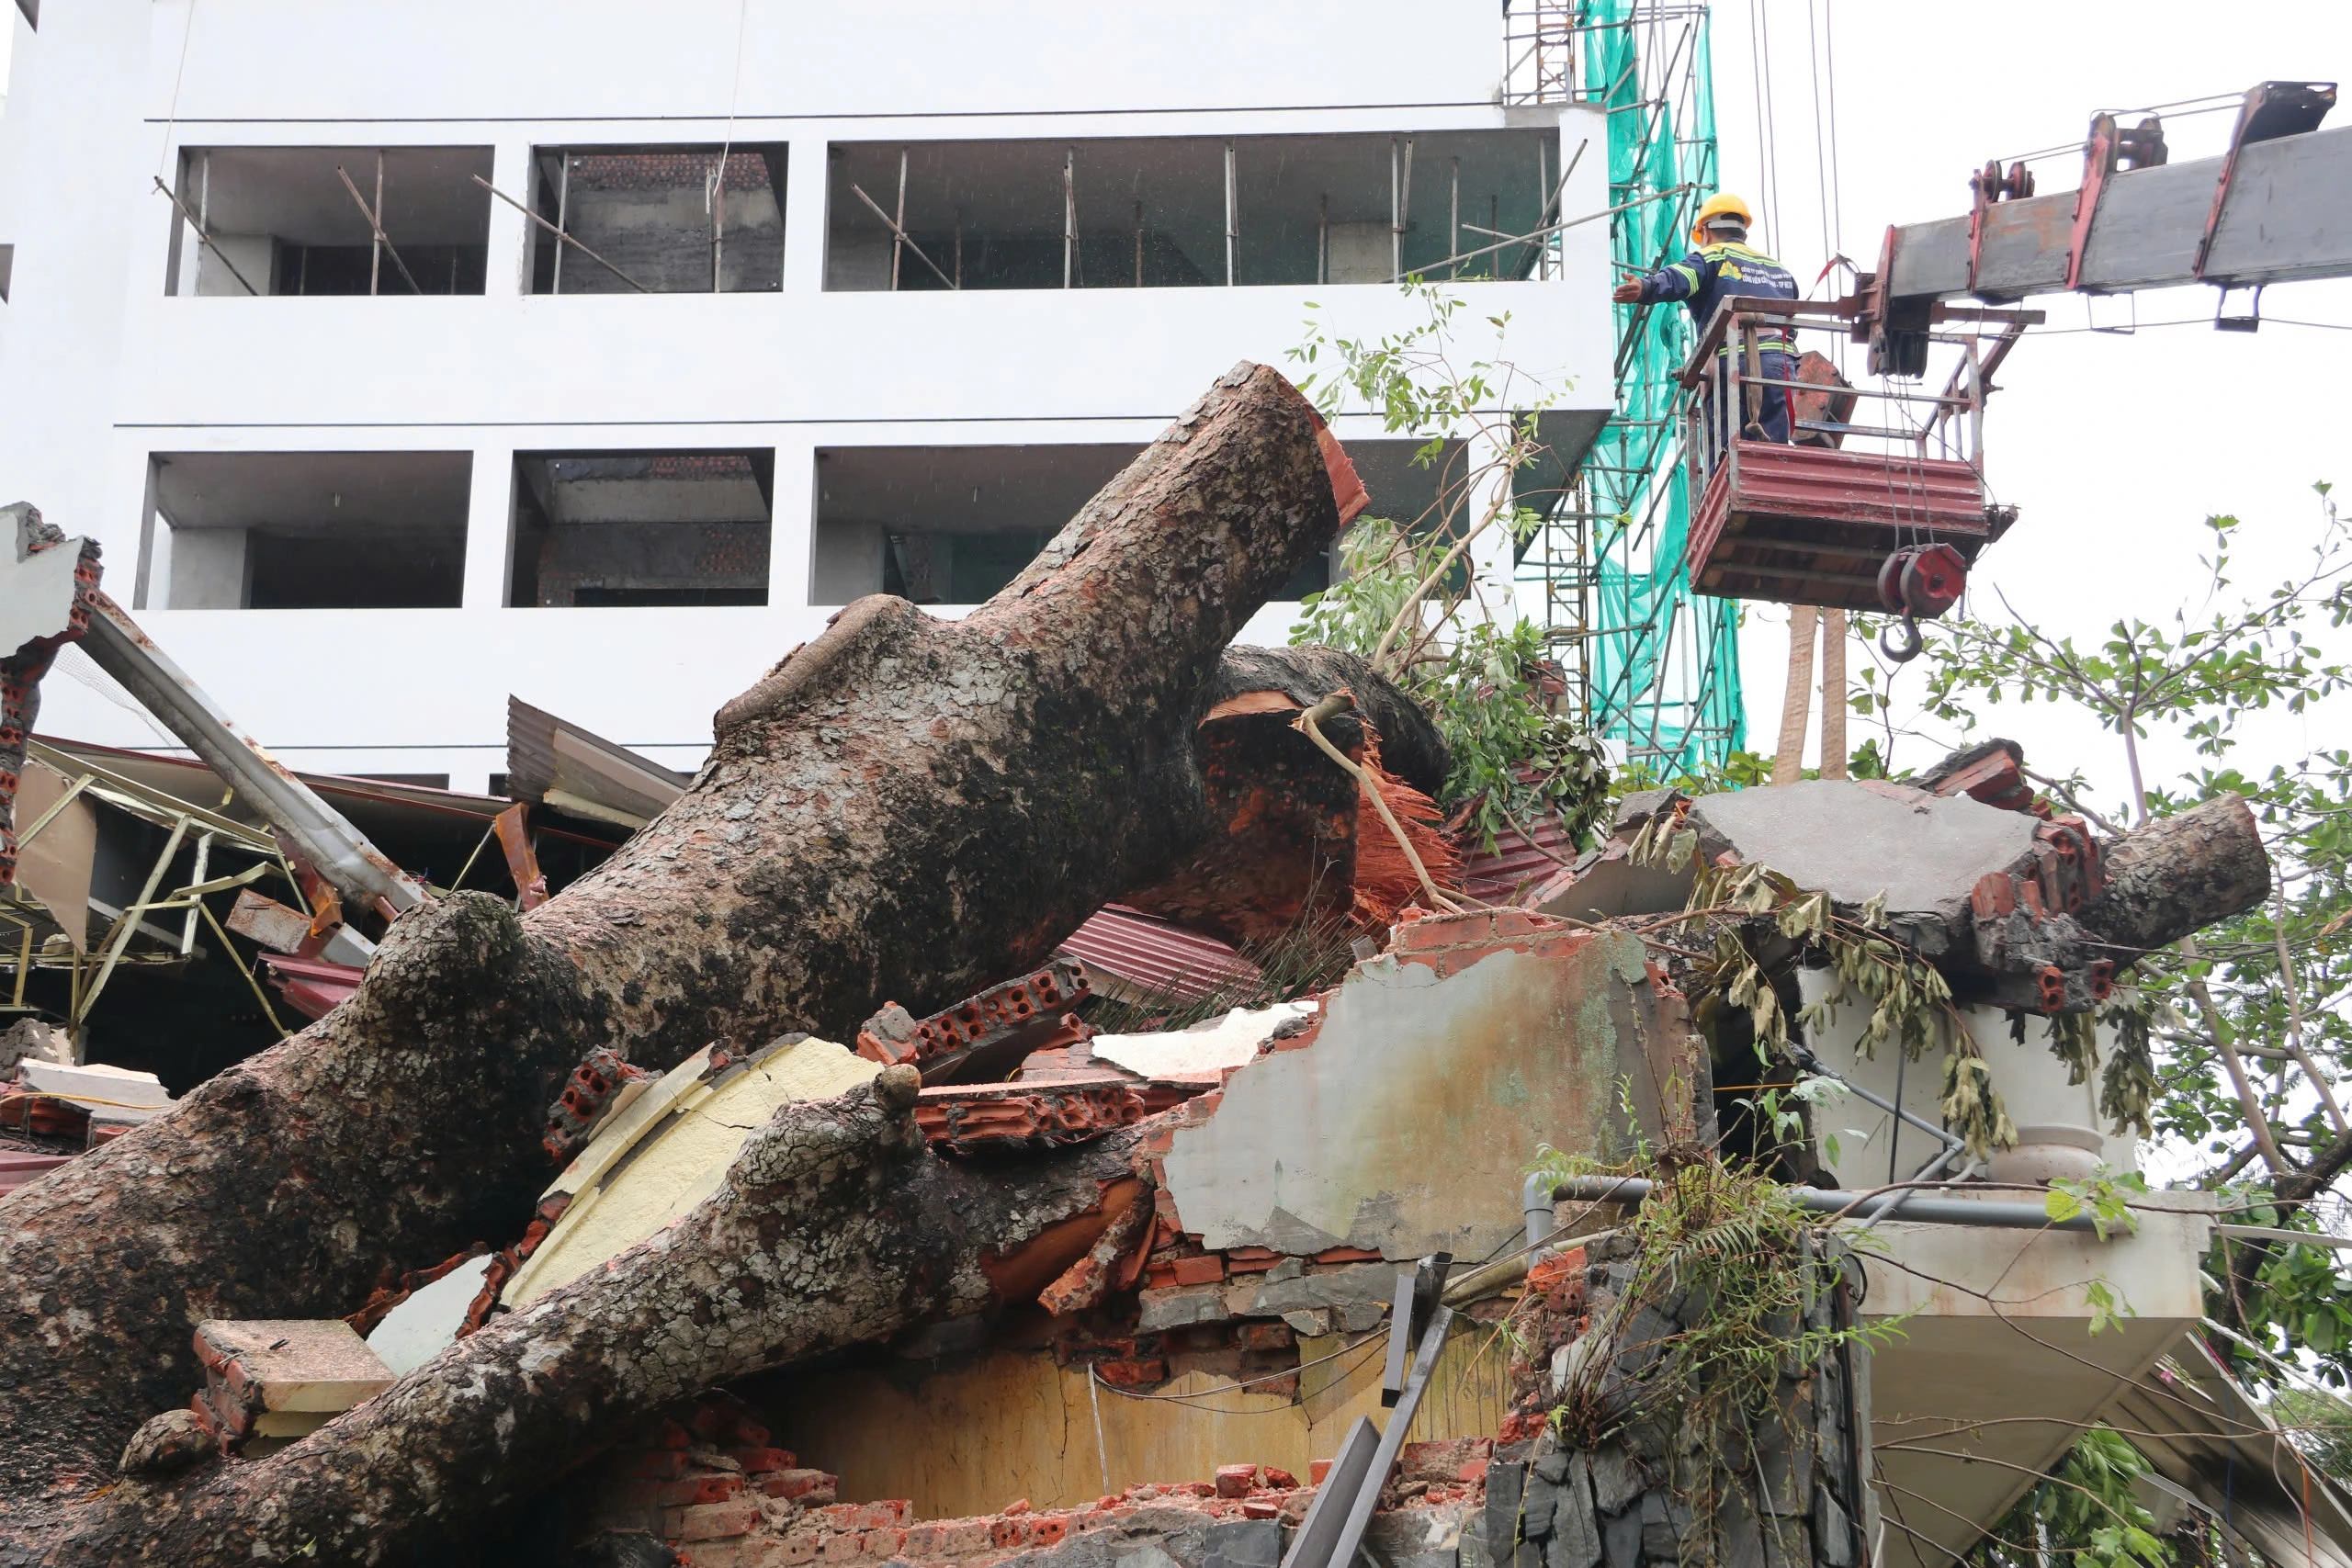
x=836 y=1226
x=2170 y=878
x=904 y=807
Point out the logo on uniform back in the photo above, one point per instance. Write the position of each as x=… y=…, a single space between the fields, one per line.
x=1730 y=270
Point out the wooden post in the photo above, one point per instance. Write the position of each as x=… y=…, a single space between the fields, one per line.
x=1833 y=693
x=562 y=212
x=1232 y=221
x=1796 y=700
x=899 y=223
x=376 y=225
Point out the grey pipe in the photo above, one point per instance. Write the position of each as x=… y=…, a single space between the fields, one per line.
x=1535 y=1208
x=1811 y=1064
x=1853 y=1205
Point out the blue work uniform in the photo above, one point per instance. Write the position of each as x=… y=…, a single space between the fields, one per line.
x=1702 y=279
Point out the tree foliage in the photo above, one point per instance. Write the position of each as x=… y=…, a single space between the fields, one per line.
x=2249 y=1025
x=1408 y=595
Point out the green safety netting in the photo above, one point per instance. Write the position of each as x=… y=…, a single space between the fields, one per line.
x=1665 y=662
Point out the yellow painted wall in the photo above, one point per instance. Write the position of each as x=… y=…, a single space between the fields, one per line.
x=1014 y=1424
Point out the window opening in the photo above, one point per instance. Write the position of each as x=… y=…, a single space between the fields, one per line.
x=691 y=220
x=642 y=529
x=1190 y=212
x=310 y=530
x=396 y=220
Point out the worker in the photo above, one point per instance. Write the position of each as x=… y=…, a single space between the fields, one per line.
x=1723 y=264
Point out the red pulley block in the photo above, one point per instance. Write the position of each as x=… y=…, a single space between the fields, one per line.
x=1923 y=582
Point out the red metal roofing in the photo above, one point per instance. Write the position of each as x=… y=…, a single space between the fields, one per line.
x=1515 y=867
x=312 y=987
x=1155 y=955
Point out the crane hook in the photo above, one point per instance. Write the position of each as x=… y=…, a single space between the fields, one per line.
x=1904 y=650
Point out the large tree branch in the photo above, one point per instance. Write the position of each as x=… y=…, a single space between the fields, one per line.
x=903 y=809
x=835 y=1227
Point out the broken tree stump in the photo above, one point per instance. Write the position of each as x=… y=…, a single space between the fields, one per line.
x=903 y=807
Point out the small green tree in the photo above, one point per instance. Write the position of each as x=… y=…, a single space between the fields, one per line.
x=2250 y=1023
x=1406 y=596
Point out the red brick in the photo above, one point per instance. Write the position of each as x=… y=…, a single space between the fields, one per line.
x=1128 y=1374
x=1280 y=1480
x=843 y=1547
x=882 y=1543
x=959 y=1538
x=688 y=1490
x=1206 y=1270
x=1267 y=1336
x=794 y=1550
x=760 y=1461
x=1316 y=1470
x=750 y=1434
x=1346 y=1255
x=1016 y=1531
x=708 y=1421
x=796 y=1484
x=1051 y=1529
x=1260 y=1509
x=1018 y=1506
x=669 y=1434
x=1250 y=1259
x=712 y=1521
x=1236 y=1479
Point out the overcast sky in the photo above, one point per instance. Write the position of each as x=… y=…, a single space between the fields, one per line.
x=2114 y=448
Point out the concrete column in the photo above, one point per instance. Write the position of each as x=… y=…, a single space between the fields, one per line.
x=489 y=528
x=509 y=271
x=792 y=524
x=805 y=176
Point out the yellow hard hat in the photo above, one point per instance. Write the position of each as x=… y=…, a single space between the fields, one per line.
x=1714 y=207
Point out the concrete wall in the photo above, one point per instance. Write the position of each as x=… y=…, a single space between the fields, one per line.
x=970 y=1439
x=99 y=366
x=1405 y=1123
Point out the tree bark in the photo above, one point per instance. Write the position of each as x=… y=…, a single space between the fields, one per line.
x=2176 y=875
x=1296 y=857
x=836 y=1226
x=903 y=807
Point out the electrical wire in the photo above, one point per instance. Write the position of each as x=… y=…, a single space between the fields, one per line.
x=2186 y=321
x=2229 y=101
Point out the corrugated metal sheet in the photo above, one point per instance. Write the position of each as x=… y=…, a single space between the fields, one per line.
x=553 y=761
x=1516 y=867
x=1151 y=955
x=312 y=987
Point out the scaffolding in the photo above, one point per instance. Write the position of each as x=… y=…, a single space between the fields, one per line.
x=1655 y=668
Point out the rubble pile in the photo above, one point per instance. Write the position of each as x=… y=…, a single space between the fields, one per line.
x=705 y=1481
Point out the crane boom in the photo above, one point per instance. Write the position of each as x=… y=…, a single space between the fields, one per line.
x=2276 y=207
x=2288 y=215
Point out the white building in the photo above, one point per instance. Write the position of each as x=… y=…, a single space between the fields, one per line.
x=581 y=473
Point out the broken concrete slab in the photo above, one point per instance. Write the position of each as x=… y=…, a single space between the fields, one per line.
x=1205 y=1049
x=280 y=1379
x=425 y=1323
x=1859 y=840
x=670 y=1148
x=1402 y=1123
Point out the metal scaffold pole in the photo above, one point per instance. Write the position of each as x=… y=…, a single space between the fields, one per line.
x=1655 y=668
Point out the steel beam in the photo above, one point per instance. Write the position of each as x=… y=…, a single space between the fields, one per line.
x=340 y=851
x=2288 y=216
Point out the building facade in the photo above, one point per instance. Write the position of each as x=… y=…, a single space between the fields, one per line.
x=406 y=356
